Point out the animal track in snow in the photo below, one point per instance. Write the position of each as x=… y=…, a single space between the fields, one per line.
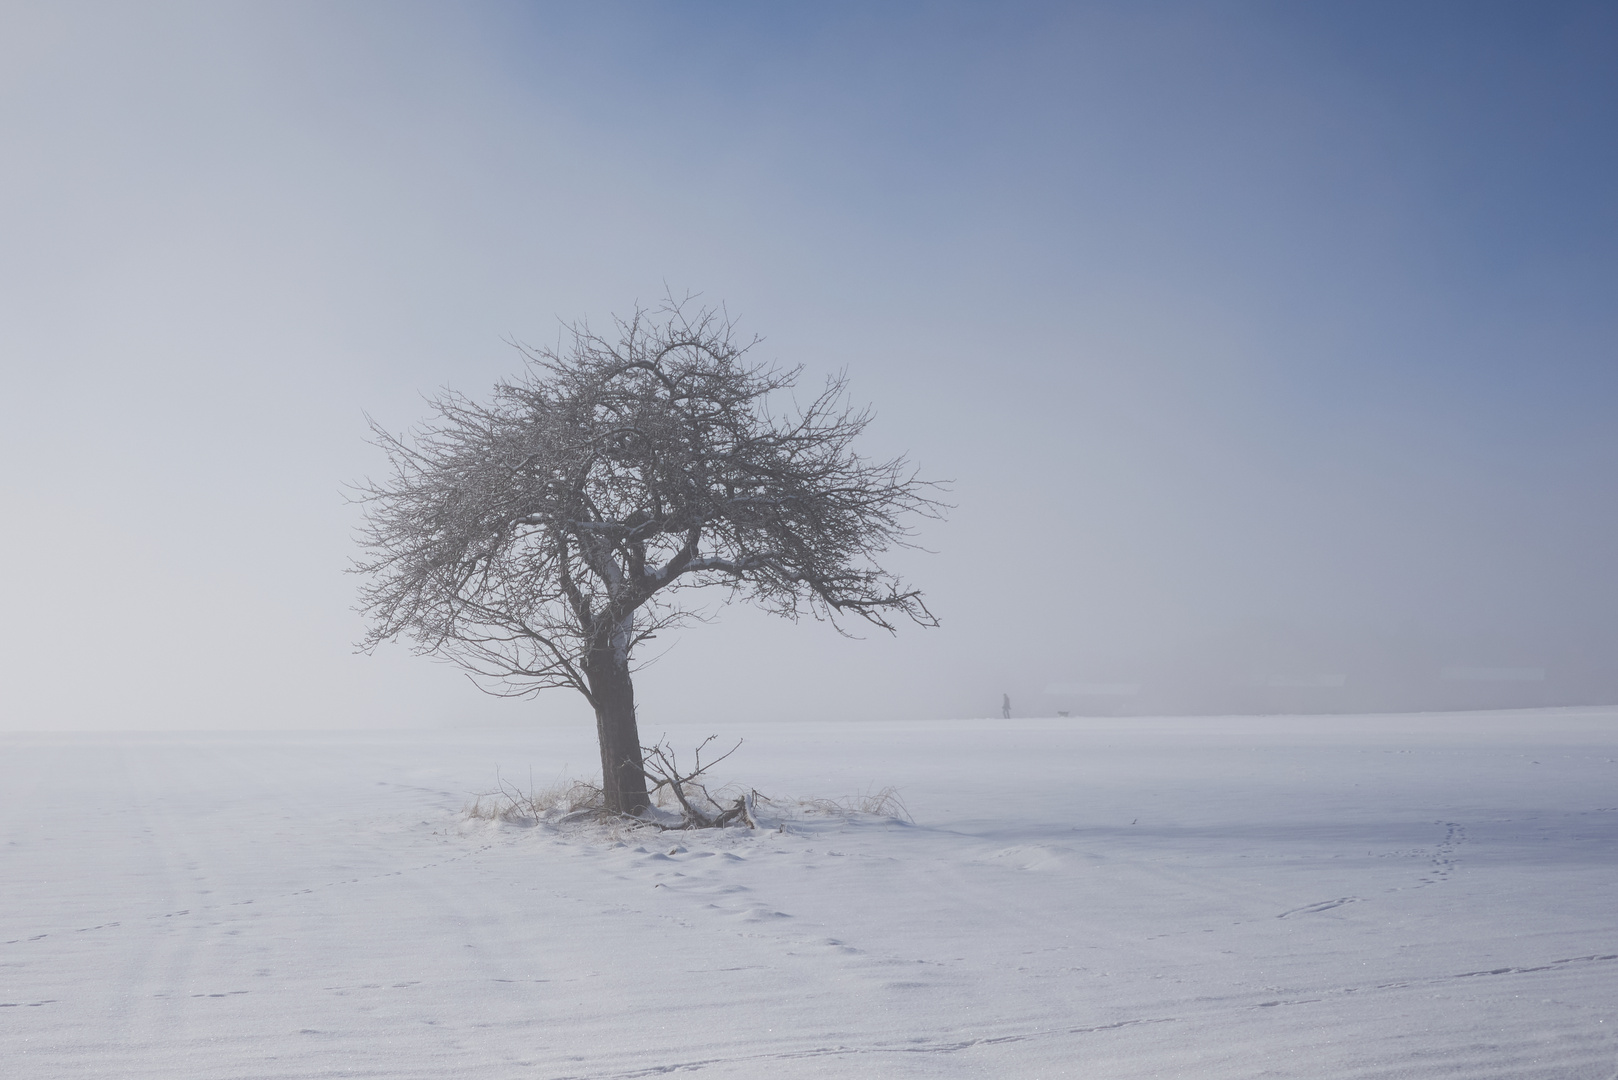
x=913 y=1046
x=1324 y=905
x=1552 y=966
x=1444 y=857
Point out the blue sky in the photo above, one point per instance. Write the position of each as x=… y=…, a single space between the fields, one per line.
x=1271 y=348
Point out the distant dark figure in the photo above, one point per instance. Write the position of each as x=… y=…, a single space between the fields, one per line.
x=1005 y=706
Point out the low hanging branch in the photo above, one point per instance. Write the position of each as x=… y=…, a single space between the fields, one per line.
x=701 y=809
x=538 y=539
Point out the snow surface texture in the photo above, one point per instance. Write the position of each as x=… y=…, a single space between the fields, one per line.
x=1387 y=896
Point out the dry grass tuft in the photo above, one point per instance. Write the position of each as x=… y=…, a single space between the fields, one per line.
x=560 y=802
x=679 y=802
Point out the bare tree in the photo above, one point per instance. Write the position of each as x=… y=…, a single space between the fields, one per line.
x=539 y=539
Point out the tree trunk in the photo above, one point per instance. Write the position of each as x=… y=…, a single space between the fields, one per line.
x=623 y=779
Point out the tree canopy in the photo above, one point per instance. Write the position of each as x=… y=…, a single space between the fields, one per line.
x=539 y=538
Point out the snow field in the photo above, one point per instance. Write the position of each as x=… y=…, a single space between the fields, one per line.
x=1387 y=896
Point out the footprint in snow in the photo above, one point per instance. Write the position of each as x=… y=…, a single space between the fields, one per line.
x=759 y=914
x=1324 y=905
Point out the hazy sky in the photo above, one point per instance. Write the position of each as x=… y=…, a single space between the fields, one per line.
x=1272 y=349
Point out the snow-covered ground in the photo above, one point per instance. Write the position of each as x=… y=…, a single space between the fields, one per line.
x=1347 y=896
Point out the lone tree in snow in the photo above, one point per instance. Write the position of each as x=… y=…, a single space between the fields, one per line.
x=538 y=539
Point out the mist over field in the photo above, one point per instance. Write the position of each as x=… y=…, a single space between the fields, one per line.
x=1265 y=354
x=1270 y=352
